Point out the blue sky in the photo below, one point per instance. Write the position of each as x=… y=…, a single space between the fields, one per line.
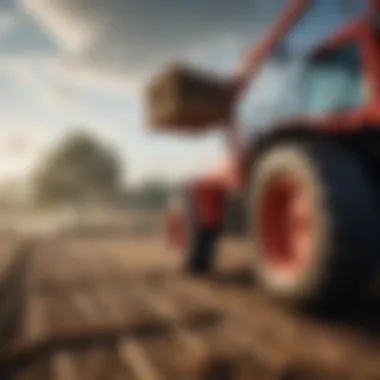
x=82 y=63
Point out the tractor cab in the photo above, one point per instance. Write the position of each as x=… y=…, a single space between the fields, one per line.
x=311 y=72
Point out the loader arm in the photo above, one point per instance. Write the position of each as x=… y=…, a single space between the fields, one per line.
x=252 y=62
x=374 y=5
x=259 y=50
x=255 y=57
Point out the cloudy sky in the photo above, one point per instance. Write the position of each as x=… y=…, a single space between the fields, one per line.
x=68 y=63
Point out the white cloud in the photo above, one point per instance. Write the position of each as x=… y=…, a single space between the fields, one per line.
x=90 y=77
x=121 y=38
x=35 y=75
x=21 y=144
x=58 y=83
x=20 y=132
x=73 y=34
x=61 y=99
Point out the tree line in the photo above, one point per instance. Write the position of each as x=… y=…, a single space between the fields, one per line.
x=83 y=170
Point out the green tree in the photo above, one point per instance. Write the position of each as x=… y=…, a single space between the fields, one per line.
x=80 y=169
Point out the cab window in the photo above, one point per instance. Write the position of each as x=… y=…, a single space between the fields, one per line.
x=333 y=82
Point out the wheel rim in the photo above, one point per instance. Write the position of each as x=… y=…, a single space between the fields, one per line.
x=286 y=225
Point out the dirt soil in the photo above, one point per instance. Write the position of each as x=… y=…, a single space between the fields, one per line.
x=120 y=308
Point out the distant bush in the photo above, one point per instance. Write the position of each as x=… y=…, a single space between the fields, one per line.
x=80 y=169
x=152 y=195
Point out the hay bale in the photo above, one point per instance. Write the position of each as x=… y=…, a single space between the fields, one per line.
x=183 y=99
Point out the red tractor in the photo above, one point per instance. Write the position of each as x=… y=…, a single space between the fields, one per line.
x=309 y=184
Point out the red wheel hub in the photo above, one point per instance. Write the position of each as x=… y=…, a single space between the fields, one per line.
x=285 y=224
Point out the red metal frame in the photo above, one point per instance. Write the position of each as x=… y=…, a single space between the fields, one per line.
x=208 y=196
x=374 y=5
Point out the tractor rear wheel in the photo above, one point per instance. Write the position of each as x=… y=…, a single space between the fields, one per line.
x=193 y=242
x=314 y=224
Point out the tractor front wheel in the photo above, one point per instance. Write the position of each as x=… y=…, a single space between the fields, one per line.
x=314 y=224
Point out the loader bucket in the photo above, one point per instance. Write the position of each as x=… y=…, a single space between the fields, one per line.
x=181 y=99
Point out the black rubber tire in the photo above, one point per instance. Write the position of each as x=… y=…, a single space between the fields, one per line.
x=344 y=257
x=199 y=254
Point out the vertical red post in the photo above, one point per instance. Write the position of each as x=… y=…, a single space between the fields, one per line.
x=374 y=5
